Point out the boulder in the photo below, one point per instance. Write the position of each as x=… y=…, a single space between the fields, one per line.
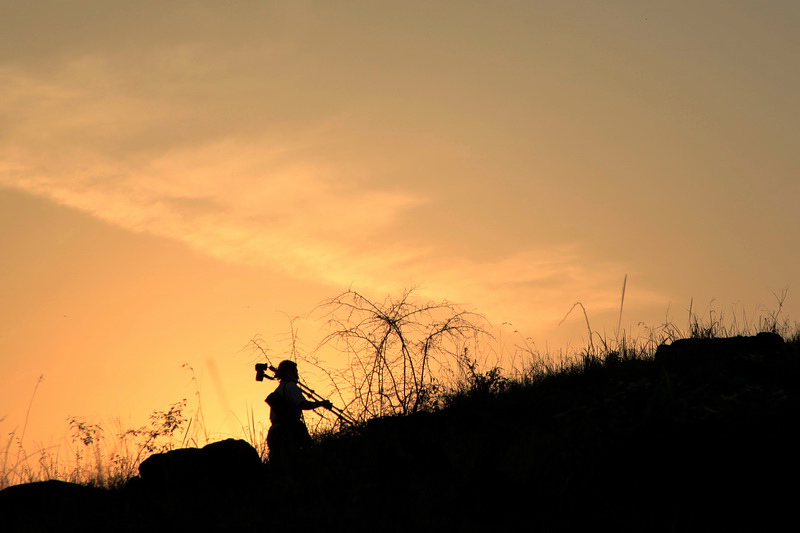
x=56 y=506
x=224 y=464
x=684 y=353
x=197 y=488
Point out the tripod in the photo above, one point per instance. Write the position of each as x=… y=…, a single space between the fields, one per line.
x=261 y=373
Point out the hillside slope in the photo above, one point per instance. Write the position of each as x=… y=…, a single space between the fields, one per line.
x=700 y=437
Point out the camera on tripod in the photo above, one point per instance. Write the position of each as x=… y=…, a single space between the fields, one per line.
x=265 y=370
x=261 y=369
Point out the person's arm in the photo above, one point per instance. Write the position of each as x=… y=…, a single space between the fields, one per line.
x=295 y=396
x=308 y=404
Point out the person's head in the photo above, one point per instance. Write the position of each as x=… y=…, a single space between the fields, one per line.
x=287 y=370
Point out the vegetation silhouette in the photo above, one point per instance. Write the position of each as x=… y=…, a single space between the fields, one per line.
x=694 y=436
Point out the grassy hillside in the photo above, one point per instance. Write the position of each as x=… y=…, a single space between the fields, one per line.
x=625 y=441
x=698 y=438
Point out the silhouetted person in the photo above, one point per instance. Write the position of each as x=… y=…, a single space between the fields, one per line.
x=288 y=433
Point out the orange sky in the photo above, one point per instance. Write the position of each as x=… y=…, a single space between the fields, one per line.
x=174 y=178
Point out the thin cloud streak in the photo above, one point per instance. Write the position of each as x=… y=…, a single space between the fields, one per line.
x=263 y=202
x=283 y=232
x=299 y=224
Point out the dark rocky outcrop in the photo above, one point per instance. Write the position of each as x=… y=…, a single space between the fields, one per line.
x=226 y=475
x=219 y=465
x=54 y=505
x=698 y=352
x=185 y=489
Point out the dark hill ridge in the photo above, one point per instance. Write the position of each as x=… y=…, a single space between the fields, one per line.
x=700 y=437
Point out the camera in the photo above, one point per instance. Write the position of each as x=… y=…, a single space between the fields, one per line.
x=261 y=368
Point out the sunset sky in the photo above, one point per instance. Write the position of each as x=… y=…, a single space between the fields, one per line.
x=179 y=177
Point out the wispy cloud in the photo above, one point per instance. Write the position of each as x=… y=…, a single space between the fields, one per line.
x=272 y=194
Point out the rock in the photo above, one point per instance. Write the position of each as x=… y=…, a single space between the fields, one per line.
x=220 y=464
x=189 y=488
x=690 y=351
x=175 y=467
x=231 y=462
x=56 y=506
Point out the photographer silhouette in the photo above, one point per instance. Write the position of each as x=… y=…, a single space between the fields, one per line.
x=288 y=433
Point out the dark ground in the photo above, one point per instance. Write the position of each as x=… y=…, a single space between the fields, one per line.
x=699 y=438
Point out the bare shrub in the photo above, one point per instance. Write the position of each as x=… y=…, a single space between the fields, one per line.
x=398 y=351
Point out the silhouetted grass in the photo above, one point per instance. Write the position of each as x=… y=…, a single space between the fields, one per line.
x=611 y=438
x=607 y=436
x=97 y=456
